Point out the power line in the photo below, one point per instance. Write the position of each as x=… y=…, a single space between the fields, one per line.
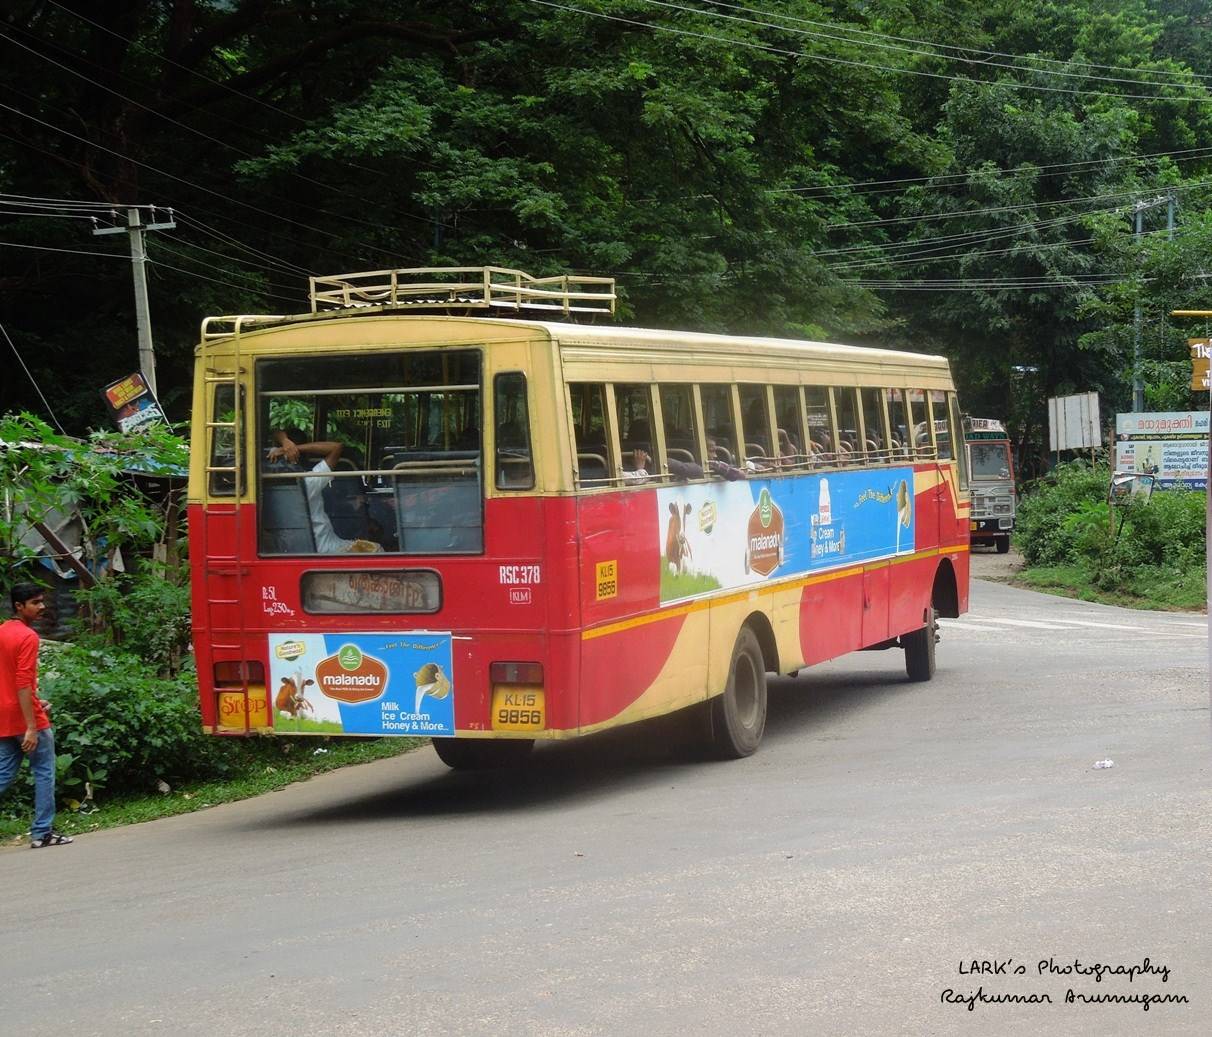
x=46 y=403
x=895 y=46
x=216 y=280
x=964 y=48
x=214 y=140
x=173 y=176
x=73 y=251
x=184 y=255
x=868 y=65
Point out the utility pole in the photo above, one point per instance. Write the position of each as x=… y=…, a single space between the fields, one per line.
x=1205 y=314
x=1138 y=383
x=138 y=258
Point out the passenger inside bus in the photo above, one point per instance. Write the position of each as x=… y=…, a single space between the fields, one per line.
x=289 y=449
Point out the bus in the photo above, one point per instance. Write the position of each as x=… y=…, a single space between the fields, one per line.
x=991 y=468
x=460 y=504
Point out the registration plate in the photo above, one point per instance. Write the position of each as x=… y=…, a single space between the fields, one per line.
x=973 y=525
x=518 y=709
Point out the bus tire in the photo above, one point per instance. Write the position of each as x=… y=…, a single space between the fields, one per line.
x=919 y=648
x=480 y=754
x=1003 y=545
x=738 y=717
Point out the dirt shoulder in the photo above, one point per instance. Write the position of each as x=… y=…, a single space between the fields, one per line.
x=987 y=564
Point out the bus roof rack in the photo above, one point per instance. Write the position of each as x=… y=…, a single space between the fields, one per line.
x=463 y=288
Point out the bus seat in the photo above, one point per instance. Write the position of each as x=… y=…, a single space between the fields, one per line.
x=755 y=450
x=592 y=468
x=680 y=454
x=345 y=501
x=438 y=512
x=285 y=518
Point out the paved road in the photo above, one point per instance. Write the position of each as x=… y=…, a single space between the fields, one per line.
x=885 y=837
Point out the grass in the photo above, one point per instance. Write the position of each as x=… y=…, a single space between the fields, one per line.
x=283 y=762
x=684 y=585
x=1159 y=589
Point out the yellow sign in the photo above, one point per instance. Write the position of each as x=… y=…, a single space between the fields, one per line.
x=517 y=708
x=232 y=710
x=1201 y=349
x=607 y=580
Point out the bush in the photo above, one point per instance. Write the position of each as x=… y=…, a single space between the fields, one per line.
x=1156 y=550
x=119 y=726
x=144 y=613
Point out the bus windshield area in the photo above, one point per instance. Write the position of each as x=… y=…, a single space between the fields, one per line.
x=371 y=453
x=989 y=460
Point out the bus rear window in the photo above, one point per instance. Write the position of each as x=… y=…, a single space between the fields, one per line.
x=370 y=453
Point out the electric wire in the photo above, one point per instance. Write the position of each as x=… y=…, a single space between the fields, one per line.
x=29 y=374
x=896 y=46
x=867 y=65
x=216 y=140
x=172 y=176
x=183 y=254
x=962 y=48
x=72 y=251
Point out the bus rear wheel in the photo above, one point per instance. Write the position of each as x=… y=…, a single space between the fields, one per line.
x=919 y=648
x=738 y=717
x=480 y=754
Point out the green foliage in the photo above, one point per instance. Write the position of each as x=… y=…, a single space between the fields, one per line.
x=1154 y=552
x=45 y=474
x=146 y=612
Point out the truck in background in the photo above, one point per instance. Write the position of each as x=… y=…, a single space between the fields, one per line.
x=991 y=469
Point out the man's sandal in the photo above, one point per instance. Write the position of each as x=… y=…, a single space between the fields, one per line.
x=50 y=839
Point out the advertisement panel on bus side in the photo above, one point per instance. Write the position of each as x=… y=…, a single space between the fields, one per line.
x=717 y=536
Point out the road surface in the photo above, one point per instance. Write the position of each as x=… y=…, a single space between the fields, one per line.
x=886 y=841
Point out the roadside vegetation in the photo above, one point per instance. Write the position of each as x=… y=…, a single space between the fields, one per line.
x=122 y=693
x=1143 y=555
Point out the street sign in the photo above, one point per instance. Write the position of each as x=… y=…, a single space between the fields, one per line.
x=1201 y=351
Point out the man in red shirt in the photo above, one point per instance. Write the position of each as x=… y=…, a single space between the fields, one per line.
x=24 y=727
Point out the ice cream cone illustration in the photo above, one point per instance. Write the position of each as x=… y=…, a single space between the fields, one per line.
x=904 y=511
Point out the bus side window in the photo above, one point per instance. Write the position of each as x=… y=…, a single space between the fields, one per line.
x=677 y=416
x=921 y=442
x=820 y=423
x=222 y=442
x=514 y=463
x=755 y=422
x=849 y=443
x=790 y=422
x=720 y=423
x=633 y=409
x=898 y=422
x=941 y=423
x=588 y=404
x=874 y=430
x=961 y=457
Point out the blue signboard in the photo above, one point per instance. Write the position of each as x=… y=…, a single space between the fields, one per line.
x=733 y=534
x=368 y=684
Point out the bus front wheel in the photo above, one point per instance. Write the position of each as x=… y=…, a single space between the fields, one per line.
x=738 y=717
x=479 y=754
x=1003 y=545
x=919 y=648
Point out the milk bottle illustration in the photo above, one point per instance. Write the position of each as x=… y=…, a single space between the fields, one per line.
x=823 y=508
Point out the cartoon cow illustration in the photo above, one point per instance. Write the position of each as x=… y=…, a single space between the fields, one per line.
x=290 y=700
x=677 y=547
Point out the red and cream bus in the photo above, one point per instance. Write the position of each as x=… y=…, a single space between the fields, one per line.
x=414 y=511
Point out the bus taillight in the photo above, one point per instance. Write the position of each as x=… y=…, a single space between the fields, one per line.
x=516 y=673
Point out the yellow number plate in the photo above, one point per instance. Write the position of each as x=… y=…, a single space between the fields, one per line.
x=518 y=708
x=972 y=525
